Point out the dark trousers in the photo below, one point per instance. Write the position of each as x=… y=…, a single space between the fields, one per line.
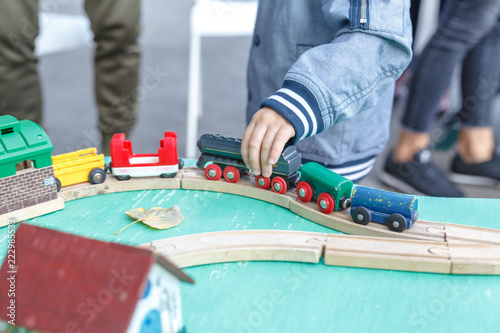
x=461 y=39
x=115 y=24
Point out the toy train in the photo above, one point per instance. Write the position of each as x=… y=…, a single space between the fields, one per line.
x=397 y=211
x=86 y=165
x=334 y=192
x=221 y=157
x=331 y=190
x=78 y=167
x=125 y=164
x=29 y=171
x=27 y=162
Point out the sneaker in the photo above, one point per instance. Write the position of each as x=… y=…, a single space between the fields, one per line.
x=483 y=174
x=419 y=176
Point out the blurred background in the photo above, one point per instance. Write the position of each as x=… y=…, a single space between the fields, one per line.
x=66 y=71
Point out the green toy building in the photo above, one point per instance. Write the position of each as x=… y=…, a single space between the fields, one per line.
x=26 y=173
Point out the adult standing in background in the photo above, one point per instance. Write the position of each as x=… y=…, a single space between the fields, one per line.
x=115 y=24
x=467 y=36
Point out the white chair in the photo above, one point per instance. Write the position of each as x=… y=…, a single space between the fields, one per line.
x=211 y=18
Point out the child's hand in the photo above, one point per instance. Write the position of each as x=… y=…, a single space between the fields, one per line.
x=264 y=140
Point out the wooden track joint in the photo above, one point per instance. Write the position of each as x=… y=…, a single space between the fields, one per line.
x=337 y=250
x=262 y=245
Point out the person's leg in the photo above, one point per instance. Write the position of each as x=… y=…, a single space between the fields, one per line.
x=459 y=32
x=408 y=167
x=408 y=144
x=414 y=11
x=404 y=79
x=20 y=94
x=476 y=144
x=477 y=161
x=480 y=76
x=115 y=24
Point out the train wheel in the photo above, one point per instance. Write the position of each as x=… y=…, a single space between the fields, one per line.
x=213 y=172
x=97 y=176
x=304 y=192
x=127 y=177
x=278 y=185
x=231 y=174
x=58 y=184
x=345 y=203
x=262 y=182
x=326 y=203
x=168 y=175
x=396 y=222
x=361 y=215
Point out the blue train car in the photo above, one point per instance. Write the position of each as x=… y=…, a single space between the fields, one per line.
x=397 y=211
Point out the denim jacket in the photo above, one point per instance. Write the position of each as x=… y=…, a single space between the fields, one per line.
x=319 y=63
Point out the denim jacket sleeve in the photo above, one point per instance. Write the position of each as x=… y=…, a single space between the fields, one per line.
x=333 y=82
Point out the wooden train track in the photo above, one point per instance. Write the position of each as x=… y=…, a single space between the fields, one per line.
x=337 y=250
x=194 y=179
x=445 y=241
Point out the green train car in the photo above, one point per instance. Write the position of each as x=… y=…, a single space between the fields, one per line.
x=330 y=190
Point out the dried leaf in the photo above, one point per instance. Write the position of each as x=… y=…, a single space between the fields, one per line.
x=156 y=217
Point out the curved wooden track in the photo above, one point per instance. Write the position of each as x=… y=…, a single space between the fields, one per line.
x=431 y=246
x=247 y=245
x=337 y=250
x=194 y=179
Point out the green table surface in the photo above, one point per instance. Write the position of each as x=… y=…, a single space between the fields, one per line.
x=295 y=297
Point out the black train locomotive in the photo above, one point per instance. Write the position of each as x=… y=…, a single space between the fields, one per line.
x=221 y=157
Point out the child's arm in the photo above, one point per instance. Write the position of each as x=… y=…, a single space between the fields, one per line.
x=331 y=82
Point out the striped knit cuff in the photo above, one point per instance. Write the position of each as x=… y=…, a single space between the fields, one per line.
x=299 y=106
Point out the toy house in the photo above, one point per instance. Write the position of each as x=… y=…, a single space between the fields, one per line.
x=26 y=173
x=68 y=283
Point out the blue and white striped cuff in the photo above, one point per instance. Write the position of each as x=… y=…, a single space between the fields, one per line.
x=354 y=170
x=299 y=106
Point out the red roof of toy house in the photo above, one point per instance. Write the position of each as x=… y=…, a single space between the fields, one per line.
x=68 y=283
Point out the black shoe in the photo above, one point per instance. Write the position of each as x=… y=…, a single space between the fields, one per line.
x=419 y=176
x=484 y=174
